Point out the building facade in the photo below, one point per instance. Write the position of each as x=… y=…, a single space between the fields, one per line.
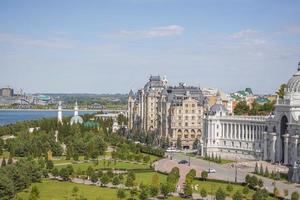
x=170 y=112
x=274 y=138
x=232 y=137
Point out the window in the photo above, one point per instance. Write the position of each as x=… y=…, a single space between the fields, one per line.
x=186 y=124
x=193 y=117
x=179 y=117
x=186 y=105
x=179 y=111
x=186 y=111
x=193 y=136
x=179 y=124
x=193 y=105
x=186 y=136
x=186 y=118
x=193 y=111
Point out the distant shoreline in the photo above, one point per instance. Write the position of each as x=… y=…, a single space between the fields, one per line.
x=67 y=110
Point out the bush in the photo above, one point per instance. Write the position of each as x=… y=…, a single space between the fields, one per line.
x=220 y=194
x=237 y=196
x=295 y=196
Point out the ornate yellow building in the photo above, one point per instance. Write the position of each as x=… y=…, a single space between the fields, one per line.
x=170 y=112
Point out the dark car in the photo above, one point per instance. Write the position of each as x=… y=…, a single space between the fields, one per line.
x=183 y=162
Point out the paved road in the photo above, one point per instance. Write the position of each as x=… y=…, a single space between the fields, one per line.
x=223 y=172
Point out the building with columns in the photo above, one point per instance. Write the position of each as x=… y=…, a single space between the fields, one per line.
x=274 y=138
x=232 y=137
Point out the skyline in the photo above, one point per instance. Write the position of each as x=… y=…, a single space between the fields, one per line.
x=59 y=47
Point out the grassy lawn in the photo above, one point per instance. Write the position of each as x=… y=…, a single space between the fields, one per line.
x=118 y=164
x=146 y=177
x=212 y=187
x=57 y=190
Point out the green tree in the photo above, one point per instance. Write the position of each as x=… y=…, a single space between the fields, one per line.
x=295 y=196
x=178 y=143
x=165 y=189
x=220 y=194
x=144 y=194
x=116 y=180
x=104 y=179
x=266 y=172
x=204 y=175
x=74 y=191
x=3 y=162
x=261 y=171
x=196 y=143
x=133 y=192
x=64 y=174
x=153 y=190
x=121 y=194
x=229 y=187
x=94 y=177
x=237 y=196
x=241 y=108
x=259 y=195
x=245 y=190
x=203 y=193
x=49 y=164
x=280 y=92
x=55 y=172
x=256 y=170
x=129 y=181
x=188 y=189
x=260 y=183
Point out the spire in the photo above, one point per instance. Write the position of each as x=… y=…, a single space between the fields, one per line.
x=59 y=113
x=76 y=109
x=298 y=66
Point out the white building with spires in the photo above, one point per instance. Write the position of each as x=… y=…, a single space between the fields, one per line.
x=274 y=138
x=76 y=119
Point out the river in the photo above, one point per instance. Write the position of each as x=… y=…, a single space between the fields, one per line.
x=13 y=116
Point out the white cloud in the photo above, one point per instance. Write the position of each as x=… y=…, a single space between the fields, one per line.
x=248 y=37
x=38 y=43
x=245 y=34
x=163 y=31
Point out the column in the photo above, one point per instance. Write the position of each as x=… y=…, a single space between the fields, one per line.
x=273 y=146
x=286 y=149
x=243 y=131
x=265 y=157
x=295 y=140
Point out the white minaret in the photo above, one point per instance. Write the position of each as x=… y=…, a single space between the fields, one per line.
x=59 y=113
x=76 y=109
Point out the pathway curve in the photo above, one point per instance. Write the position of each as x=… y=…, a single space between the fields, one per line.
x=223 y=172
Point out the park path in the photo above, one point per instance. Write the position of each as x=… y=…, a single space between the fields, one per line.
x=224 y=172
x=166 y=165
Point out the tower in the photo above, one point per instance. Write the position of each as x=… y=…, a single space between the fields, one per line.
x=76 y=109
x=59 y=113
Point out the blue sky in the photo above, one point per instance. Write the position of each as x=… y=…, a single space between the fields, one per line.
x=112 y=46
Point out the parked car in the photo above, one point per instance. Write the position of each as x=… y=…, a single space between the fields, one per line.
x=211 y=170
x=183 y=162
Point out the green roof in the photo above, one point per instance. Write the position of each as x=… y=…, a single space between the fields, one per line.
x=91 y=124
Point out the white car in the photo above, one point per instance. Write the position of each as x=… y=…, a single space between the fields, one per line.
x=211 y=170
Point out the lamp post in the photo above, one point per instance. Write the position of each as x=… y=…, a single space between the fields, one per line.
x=235 y=178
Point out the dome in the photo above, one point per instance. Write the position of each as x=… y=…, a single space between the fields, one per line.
x=218 y=110
x=294 y=83
x=76 y=119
